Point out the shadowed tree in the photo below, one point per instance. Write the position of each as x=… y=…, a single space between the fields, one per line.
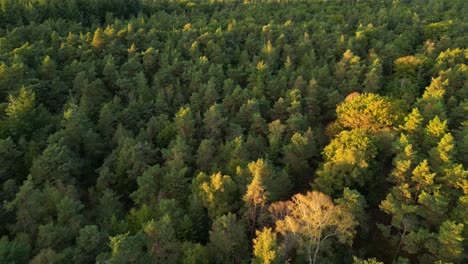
x=228 y=243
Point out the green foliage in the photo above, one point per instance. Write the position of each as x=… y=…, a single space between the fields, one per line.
x=10 y=160
x=56 y=164
x=298 y=153
x=194 y=254
x=21 y=106
x=348 y=72
x=89 y=243
x=355 y=203
x=373 y=81
x=129 y=128
x=217 y=193
x=349 y=162
x=14 y=251
x=228 y=243
x=127 y=248
x=21 y=115
x=149 y=185
x=357 y=260
x=450 y=238
x=185 y=123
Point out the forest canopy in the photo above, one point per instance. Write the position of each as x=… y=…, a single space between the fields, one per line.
x=254 y=131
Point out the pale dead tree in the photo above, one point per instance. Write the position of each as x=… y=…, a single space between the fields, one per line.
x=314 y=219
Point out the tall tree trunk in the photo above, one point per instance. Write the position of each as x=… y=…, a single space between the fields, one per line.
x=401 y=242
x=316 y=252
x=310 y=255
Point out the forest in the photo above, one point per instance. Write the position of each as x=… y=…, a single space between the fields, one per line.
x=234 y=131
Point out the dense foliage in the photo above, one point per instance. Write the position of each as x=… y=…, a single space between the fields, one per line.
x=169 y=131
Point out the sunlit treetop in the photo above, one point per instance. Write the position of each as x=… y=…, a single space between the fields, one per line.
x=369 y=112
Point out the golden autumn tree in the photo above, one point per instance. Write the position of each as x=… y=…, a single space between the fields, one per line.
x=368 y=111
x=314 y=219
x=265 y=247
x=256 y=196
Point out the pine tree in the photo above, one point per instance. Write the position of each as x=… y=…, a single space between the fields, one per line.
x=216 y=192
x=348 y=162
x=228 y=243
x=266 y=247
x=256 y=196
x=99 y=40
x=373 y=80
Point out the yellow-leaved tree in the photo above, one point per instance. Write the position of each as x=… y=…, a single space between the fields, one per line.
x=314 y=219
